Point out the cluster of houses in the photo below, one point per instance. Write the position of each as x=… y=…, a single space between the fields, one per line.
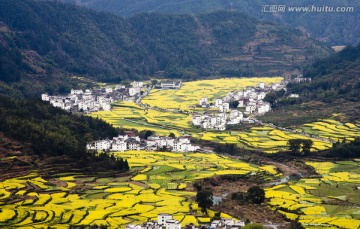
x=87 y=101
x=166 y=221
x=131 y=142
x=249 y=100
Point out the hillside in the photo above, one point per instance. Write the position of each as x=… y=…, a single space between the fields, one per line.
x=333 y=28
x=43 y=133
x=335 y=88
x=51 y=40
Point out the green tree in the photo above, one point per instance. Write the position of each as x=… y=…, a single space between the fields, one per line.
x=148 y=133
x=306 y=146
x=234 y=104
x=256 y=194
x=302 y=146
x=204 y=198
x=294 y=145
x=253 y=226
x=154 y=82
x=172 y=135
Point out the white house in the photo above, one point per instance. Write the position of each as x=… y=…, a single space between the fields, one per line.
x=216 y=223
x=261 y=96
x=151 y=225
x=137 y=84
x=263 y=108
x=218 y=103
x=175 y=84
x=106 y=106
x=76 y=92
x=133 y=226
x=119 y=146
x=108 y=90
x=118 y=87
x=261 y=85
x=225 y=107
x=196 y=120
x=134 y=90
x=172 y=224
x=103 y=145
x=57 y=103
x=294 y=96
x=45 y=97
x=203 y=102
x=162 y=218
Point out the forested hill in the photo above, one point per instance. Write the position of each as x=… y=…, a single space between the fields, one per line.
x=334 y=78
x=47 y=41
x=334 y=89
x=333 y=28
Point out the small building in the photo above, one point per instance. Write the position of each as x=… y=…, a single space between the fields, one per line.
x=218 y=103
x=294 y=96
x=172 y=224
x=225 y=107
x=45 y=97
x=203 y=102
x=174 y=84
x=261 y=85
x=133 y=226
x=151 y=225
x=162 y=218
x=134 y=91
x=138 y=84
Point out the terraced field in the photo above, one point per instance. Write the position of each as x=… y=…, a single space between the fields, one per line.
x=130 y=116
x=157 y=186
x=191 y=92
x=265 y=138
x=335 y=130
x=331 y=201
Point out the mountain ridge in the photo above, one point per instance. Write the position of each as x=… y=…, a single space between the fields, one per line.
x=333 y=28
x=58 y=40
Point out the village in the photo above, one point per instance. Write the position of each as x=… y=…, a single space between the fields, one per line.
x=87 y=101
x=152 y=143
x=230 y=110
x=166 y=221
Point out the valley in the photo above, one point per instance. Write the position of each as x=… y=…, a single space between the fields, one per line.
x=162 y=182
x=154 y=114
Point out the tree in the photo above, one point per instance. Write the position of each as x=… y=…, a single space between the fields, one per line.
x=294 y=145
x=306 y=146
x=204 y=198
x=300 y=145
x=172 y=135
x=154 y=82
x=256 y=194
x=254 y=226
x=234 y=104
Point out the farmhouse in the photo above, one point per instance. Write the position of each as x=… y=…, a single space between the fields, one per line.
x=168 y=84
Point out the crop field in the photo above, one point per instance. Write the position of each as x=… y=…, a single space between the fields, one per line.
x=331 y=201
x=157 y=186
x=130 y=116
x=191 y=92
x=335 y=130
x=265 y=138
